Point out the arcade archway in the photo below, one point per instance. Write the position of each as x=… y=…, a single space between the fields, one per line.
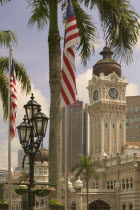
x=99 y=205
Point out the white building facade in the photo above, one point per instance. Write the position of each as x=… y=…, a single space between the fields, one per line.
x=118 y=187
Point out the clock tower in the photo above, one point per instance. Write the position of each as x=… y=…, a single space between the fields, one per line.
x=107 y=104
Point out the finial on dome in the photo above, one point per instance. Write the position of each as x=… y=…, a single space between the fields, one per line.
x=70 y=186
x=106 y=53
x=78 y=183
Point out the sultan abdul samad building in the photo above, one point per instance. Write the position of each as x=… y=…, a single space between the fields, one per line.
x=118 y=187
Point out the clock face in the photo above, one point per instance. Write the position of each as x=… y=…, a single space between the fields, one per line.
x=95 y=95
x=113 y=93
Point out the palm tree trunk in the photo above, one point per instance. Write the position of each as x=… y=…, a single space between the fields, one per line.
x=87 y=182
x=55 y=135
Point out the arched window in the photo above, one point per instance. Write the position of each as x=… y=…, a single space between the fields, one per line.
x=123 y=207
x=120 y=126
x=130 y=206
x=42 y=202
x=97 y=185
x=123 y=184
x=113 y=125
x=45 y=171
x=93 y=185
x=73 y=206
x=37 y=203
x=131 y=183
x=106 y=124
x=114 y=183
x=108 y=185
x=127 y=184
x=111 y=184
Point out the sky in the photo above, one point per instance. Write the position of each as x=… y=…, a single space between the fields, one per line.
x=32 y=51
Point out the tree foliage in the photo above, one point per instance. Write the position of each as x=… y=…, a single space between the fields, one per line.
x=21 y=76
x=7 y=37
x=23 y=177
x=118 y=20
x=87 y=167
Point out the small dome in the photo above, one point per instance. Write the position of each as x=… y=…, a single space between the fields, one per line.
x=45 y=155
x=78 y=183
x=70 y=186
x=107 y=65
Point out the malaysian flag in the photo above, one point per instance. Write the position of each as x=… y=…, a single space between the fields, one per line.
x=13 y=101
x=68 y=83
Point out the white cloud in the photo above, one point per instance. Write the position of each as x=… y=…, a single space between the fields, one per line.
x=132 y=89
x=2 y=130
x=77 y=59
x=82 y=83
x=23 y=99
x=138 y=44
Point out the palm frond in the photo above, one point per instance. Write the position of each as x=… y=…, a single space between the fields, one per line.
x=87 y=166
x=3 y=1
x=21 y=76
x=23 y=177
x=4 y=94
x=89 y=3
x=39 y=14
x=87 y=31
x=7 y=37
x=20 y=72
x=121 y=27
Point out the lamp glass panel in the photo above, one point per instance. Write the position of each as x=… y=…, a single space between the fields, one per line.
x=35 y=110
x=29 y=112
x=28 y=134
x=39 y=126
x=22 y=132
x=45 y=122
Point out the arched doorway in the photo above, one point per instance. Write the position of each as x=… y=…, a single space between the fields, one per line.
x=99 y=205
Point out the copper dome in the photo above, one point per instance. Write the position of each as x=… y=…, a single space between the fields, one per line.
x=45 y=155
x=107 y=65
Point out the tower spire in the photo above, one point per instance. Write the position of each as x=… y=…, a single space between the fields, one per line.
x=106 y=53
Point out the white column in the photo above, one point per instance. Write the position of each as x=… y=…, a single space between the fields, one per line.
x=117 y=139
x=124 y=133
x=81 y=203
x=89 y=139
x=97 y=138
x=102 y=135
x=93 y=139
x=110 y=134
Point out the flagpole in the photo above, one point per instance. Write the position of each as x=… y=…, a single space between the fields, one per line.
x=9 y=140
x=66 y=157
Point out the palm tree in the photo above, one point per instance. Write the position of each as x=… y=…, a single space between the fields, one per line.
x=121 y=28
x=87 y=167
x=21 y=76
x=6 y=37
x=23 y=177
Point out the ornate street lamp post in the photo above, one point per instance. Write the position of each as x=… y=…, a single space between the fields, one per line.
x=31 y=133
